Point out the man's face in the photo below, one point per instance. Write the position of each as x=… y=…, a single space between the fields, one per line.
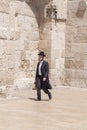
x=40 y=58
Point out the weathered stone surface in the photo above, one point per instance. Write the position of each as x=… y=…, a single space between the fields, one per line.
x=62 y=8
x=23 y=83
x=19 y=34
x=3 y=34
x=4 y=6
x=24 y=30
x=76 y=40
x=73 y=64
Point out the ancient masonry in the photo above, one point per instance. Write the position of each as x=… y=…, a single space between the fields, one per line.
x=24 y=30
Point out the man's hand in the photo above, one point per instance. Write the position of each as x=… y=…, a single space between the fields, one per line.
x=44 y=79
x=34 y=82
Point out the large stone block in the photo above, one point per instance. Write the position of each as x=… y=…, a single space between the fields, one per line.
x=4 y=6
x=62 y=9
x=25 y=64
x=74 y=64
x=78 y=83
x=3 y=33
x=77 y=74
x=23 y=83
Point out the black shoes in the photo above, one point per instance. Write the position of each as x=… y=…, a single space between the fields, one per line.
x=37 y=99
x=50 y=96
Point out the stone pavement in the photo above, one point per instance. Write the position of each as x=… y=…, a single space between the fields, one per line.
x=66 y=111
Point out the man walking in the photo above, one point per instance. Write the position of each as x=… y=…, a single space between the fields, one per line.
x=42 y=77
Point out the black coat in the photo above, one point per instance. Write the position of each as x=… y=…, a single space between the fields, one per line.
x=45 y=74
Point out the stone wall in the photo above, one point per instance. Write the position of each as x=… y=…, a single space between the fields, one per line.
x=24 y=31
x=58 y=43
x=19 y=38
x=76 y=44
x=52 y=39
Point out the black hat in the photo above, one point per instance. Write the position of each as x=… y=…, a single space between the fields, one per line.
x=42 y=53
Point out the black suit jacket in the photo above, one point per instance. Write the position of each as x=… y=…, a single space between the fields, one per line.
x=44 y=72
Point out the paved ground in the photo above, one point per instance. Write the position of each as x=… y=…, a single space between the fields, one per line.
x=66 y=111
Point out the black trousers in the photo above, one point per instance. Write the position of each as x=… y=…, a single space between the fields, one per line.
x=40 y=84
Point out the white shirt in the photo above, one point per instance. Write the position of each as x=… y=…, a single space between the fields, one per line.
x=40 y=65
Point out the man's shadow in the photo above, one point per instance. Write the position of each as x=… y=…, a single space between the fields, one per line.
x=34 y=99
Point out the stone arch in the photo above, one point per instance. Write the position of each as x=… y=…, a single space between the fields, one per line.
x=44 y=26
x=38 y=8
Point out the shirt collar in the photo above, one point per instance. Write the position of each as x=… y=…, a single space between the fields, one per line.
x=41 y=61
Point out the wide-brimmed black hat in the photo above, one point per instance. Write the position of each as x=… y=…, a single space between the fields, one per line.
x=41 y=53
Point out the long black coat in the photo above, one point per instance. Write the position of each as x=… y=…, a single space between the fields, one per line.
x=45 y=74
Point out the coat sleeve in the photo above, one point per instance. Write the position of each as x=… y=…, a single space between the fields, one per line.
x=36 y=72
x=46 y=70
